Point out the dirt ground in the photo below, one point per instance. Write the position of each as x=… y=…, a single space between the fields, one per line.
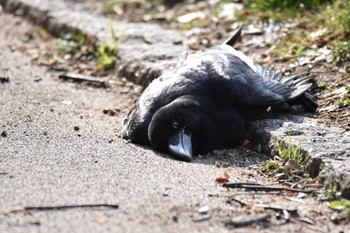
x=61 y=147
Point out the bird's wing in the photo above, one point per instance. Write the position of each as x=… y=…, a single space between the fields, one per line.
x=251 y=84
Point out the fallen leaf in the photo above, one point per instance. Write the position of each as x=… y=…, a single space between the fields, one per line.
x=221 y=180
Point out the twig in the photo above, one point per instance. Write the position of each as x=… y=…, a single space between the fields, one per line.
x=267 y=207
x=83 y=78
x=293 y=212
x=242 y=204
x=59 y=207
x=4 y=79
x=310 y=226
x=264 y=188
x=245 y=220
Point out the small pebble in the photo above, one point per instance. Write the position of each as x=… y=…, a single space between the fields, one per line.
x=4 y=79
x=204 y=209
x=4 y=134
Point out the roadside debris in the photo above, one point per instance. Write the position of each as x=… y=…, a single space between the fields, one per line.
x=111 y=112
x=248 y=219
x=58 y=207
x=222 y=180
x=204 y=213
x=84 y=78
x=3 y=134
x=258 y=187
x=4 y=79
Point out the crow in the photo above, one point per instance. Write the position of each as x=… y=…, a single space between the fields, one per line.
x=208 y=101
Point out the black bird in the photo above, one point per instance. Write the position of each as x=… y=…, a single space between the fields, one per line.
x=207 y=102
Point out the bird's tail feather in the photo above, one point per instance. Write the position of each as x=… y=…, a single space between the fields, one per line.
x=235 y=37
x=293 y=87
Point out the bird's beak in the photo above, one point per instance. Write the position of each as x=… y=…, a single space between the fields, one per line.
x=180 y=145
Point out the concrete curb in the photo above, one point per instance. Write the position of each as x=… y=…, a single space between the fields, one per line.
x=329 y=147
x=158 y=49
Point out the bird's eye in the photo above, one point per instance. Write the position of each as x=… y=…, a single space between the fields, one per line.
x=175 y=125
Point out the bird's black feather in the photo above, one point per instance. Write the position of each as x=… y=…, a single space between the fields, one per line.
x=214 y=94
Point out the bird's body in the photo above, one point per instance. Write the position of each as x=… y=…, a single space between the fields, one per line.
x=207 y=102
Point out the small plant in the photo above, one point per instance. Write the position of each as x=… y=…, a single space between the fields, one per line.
x=108 y=53
x=281 y=10
x=286 y=5
x=321 y=84
x=341 y=52
x=109 y=6
x=337 y=19
x=331 y=193
x=71 y=43
x=344 y=100
x=287 y=159
x=63 y=46
x=343 y=206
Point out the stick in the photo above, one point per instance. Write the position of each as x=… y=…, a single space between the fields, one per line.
x=264 y=188
x=293 y=212
x=59 y=207
x=267 y=207
x=83 y=78
x=248 y=219
x=242 y=204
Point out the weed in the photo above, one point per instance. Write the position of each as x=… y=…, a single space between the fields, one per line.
x=287 y=159
x=337 y=19
x=344 y=100
x=107 y=54
x=290 y=153
x=205 y=22
x=341 y=52
x=281 y=10
x=321 y=84
x=331 y=193
x=323 y=22
x=71 y=43
x=63 y=46
x=78 y=37
x=44 y=34
x=343 y=206
x=293 y=6
x=110 y=5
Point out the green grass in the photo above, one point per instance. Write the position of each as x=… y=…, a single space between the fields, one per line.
x=74 y=43
x=341 y=52
x=336 y=18
x=71 y=43
x=339 y=205
x=108 y=6
x=343 y=208
x=282 y=9
x=329 y=17
x=292 y=6
x=344 y=100
x=108 y=54
x=287 y=158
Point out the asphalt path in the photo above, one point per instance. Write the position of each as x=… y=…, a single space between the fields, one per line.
x=58 y=148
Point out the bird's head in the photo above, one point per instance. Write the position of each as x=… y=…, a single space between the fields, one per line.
x=180 y=127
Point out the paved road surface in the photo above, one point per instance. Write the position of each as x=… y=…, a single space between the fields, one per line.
x=61 y=149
